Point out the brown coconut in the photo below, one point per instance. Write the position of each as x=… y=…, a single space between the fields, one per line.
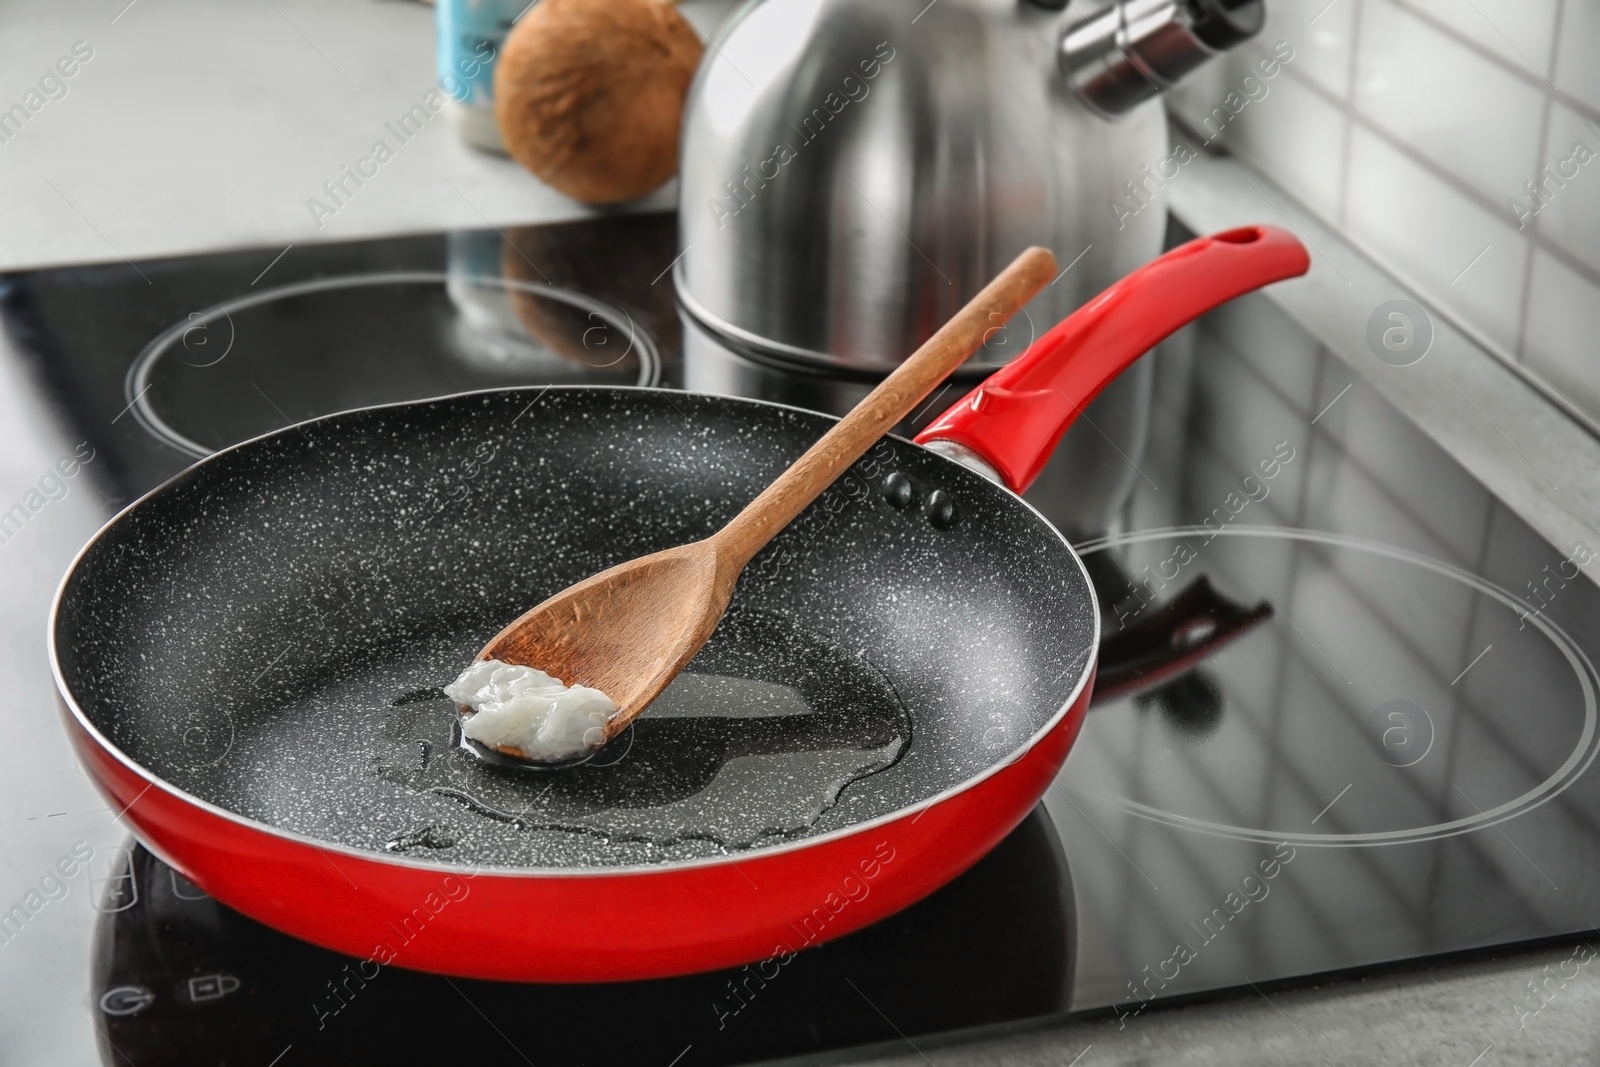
x=589 y=94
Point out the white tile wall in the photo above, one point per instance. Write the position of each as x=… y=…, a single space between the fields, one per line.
x=1563 y=337
x=1298 y=136
x=1444 y=101
x=1576 y=70
x=1323 y=40
x=1432 y=232
x=1517 y=31
x=1571 y=222
x=1410 y=124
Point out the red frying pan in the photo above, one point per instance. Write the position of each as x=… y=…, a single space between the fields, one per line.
x=249 y=660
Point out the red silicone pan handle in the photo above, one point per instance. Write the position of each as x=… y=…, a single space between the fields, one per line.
x=1015 y=418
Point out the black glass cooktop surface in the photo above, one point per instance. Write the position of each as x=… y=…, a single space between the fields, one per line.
x=1346 y=715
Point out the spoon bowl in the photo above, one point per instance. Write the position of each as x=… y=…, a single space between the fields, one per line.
x=627 y=631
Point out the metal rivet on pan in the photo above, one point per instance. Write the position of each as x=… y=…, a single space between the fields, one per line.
x=897 y=490
x=941 y=509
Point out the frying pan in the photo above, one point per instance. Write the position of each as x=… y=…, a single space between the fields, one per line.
x=248 y=662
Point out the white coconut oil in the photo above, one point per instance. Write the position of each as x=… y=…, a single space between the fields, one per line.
x=525 y=709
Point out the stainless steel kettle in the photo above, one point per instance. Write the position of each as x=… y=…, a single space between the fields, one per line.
x=853 y=171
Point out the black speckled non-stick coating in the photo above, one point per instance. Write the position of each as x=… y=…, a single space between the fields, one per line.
x=268 y=632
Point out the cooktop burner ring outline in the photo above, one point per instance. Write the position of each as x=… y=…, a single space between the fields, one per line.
x=1583 y=752
x=137 y=383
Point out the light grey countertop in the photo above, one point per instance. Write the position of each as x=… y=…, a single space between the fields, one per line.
x=173 y=139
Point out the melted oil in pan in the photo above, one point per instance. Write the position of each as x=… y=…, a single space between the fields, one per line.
x=753 y=743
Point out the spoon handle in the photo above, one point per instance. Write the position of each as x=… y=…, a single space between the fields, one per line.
x=891 y=401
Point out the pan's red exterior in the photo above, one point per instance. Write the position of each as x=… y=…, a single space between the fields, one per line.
x=579 y=926
x=647 y=922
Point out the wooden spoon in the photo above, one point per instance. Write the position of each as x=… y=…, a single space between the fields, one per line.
x=629 y=630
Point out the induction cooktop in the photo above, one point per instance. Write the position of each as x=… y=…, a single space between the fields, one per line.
x=1347 y=705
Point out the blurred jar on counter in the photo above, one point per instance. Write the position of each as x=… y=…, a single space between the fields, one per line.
x=471 y=35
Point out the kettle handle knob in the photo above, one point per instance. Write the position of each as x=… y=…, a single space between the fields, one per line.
x=1121 y=56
